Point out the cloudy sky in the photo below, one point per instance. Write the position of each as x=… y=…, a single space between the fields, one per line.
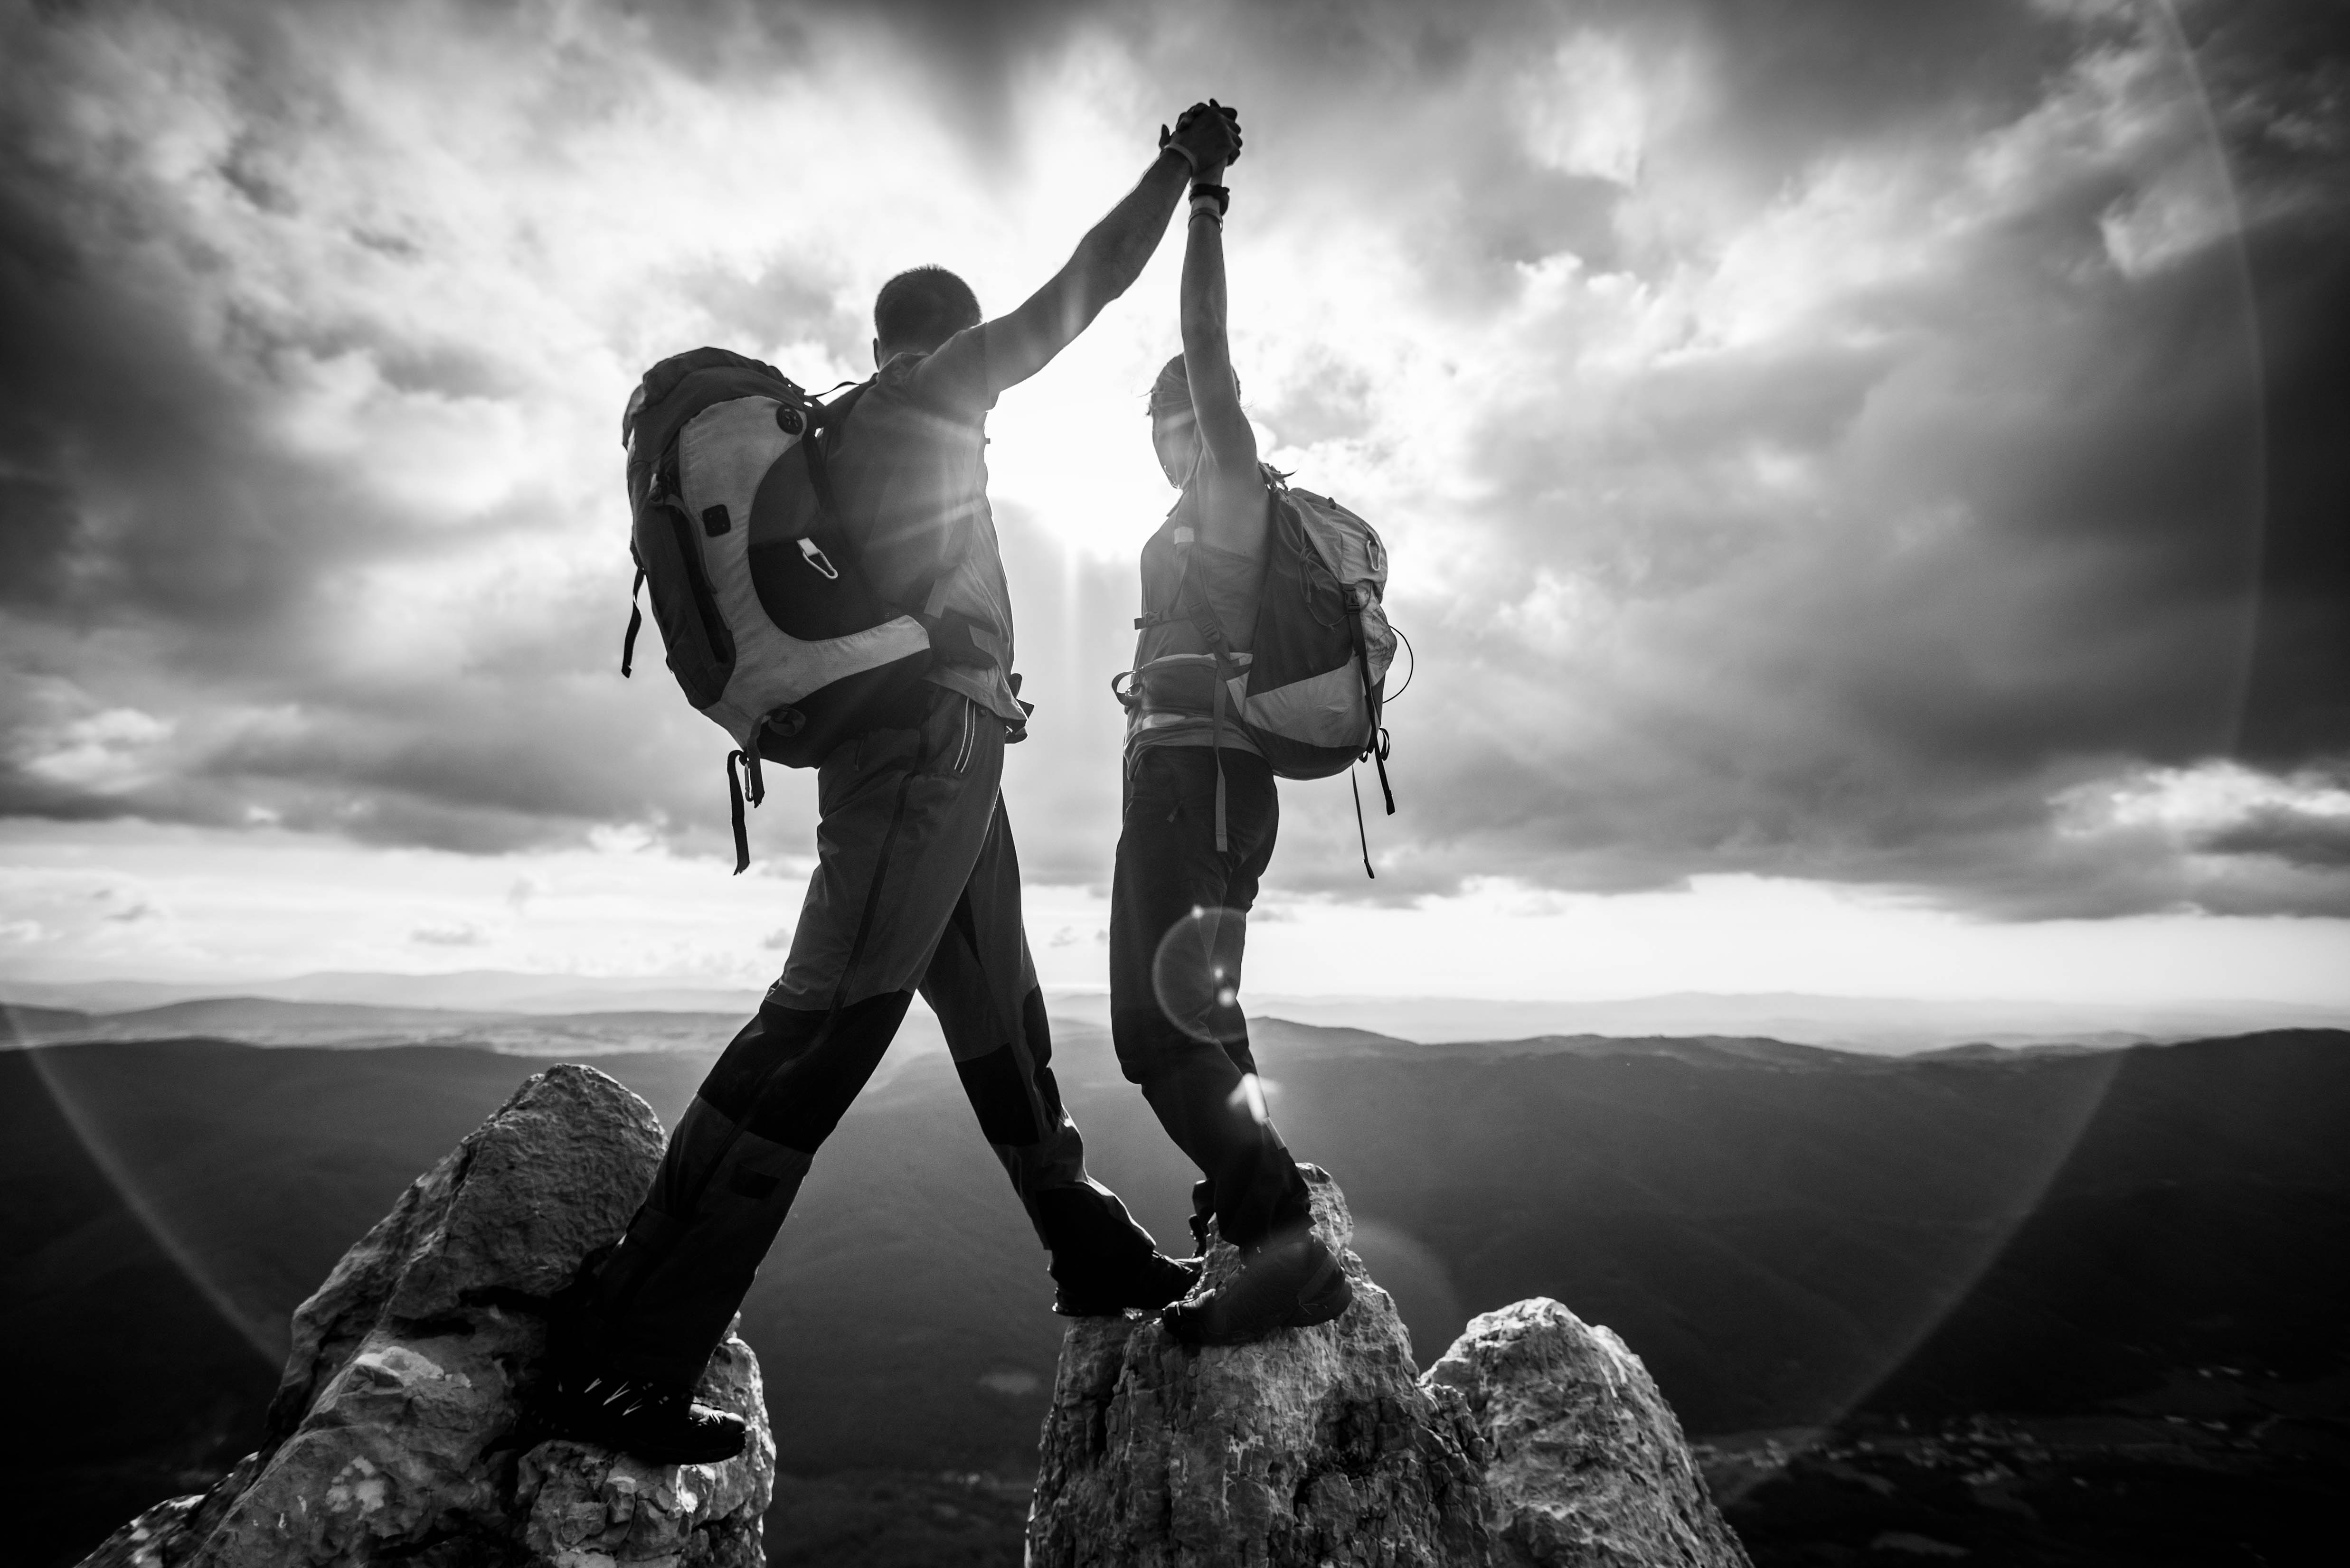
x=1864 y=482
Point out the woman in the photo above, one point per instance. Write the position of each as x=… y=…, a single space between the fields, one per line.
x=1200 y=818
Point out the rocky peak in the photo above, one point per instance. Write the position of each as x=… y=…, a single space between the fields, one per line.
x=1537 y=1439
x=392 y=1436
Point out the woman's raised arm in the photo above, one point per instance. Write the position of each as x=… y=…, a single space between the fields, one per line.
x=1234 y=511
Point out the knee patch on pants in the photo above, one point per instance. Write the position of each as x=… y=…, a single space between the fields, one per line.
x=791 y=1075
x=1000 y=1094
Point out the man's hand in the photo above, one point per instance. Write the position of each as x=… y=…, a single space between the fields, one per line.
x=1208 y=132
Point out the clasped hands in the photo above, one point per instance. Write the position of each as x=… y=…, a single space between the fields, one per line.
x=1208 y=134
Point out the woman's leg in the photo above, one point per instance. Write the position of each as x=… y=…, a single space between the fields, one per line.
x=1167 y=1036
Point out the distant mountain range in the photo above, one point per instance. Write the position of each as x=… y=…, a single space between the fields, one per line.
x=262 y=1021
x=463 y=991
x=1890 y=1024
x=1792 y=1237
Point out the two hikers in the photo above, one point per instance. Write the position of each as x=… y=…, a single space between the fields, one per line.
x=917 y=887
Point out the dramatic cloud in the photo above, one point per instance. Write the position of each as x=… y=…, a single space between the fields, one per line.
x=1861 y=443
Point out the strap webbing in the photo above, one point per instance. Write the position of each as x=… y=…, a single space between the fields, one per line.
x=748 y=762
x=1377 y=747
x=1203 y=615
x=636 y=623
x=734 y=801
x=1216 y=750
x=819 y=470
x=1361 y=837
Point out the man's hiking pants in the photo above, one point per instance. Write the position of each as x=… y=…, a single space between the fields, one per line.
x=916 y=885
x=1177 y=1025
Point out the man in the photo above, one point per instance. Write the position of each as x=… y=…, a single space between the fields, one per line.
x=917 y=884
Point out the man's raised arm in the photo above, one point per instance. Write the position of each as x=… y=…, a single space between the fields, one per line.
x=1111 y=255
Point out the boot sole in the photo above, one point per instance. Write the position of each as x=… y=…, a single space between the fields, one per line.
x=651 y=1454
x=1105 y=1306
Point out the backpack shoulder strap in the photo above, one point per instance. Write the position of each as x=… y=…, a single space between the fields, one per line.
x=1185 y=533
x=954 y=638
x=816 y=444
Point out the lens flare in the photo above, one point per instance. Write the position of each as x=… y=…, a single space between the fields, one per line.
x=1196 y=974
x=1250 y=1097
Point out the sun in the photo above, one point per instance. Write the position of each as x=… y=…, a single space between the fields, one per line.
x=1071 y=446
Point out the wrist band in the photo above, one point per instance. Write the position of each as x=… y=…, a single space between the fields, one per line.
x=1201 y=190
x=1177 y=147
x=1205 y=207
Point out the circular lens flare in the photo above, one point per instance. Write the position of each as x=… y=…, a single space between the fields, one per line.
x=1196 y=974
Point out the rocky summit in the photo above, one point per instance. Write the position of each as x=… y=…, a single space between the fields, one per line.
x=1537 y=1439
x=395 y=1434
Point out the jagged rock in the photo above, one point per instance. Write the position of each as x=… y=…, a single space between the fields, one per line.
x=1312 y=1447
x=1535 y=1440
x=392 y=1436
x=1585 y=1462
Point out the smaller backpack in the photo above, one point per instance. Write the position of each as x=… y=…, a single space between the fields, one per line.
x=1310 y=692
x=765 y=615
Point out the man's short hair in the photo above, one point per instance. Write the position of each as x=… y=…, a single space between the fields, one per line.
x=921 y=307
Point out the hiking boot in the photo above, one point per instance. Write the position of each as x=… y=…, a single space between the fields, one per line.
x=658 y=1426
x=1146 y=1286
x=1281 y=1285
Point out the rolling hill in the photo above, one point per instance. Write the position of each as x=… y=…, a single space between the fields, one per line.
x=1791 y=1238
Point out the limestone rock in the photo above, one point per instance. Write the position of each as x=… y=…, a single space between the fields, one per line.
x=1312 y=1447
x=393 y=1433
x=1537 y=1439
x=1585 y=1462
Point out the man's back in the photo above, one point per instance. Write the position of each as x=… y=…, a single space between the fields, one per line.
x=911 y=477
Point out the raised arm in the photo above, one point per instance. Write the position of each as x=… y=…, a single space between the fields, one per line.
x=1207 y=352
x=1111 y=255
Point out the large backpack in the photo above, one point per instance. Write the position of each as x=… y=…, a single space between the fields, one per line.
x=1310 y=692
x=765 y=615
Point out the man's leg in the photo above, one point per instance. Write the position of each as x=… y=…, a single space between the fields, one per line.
x=903 y=816
x=663 y=1300
x=1167 y=867
x=983 y=985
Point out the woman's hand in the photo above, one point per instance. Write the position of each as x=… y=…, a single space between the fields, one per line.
x=1208 y=133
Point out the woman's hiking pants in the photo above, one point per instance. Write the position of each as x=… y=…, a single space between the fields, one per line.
x=1177 y=1026
x=917 y=884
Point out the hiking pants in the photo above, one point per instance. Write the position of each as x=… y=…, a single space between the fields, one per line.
x=1186 y=1045
x=916 y=884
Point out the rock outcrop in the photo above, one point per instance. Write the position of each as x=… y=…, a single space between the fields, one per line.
x=1537 y=1439
x=1584 y=1460
x=393 y=1435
